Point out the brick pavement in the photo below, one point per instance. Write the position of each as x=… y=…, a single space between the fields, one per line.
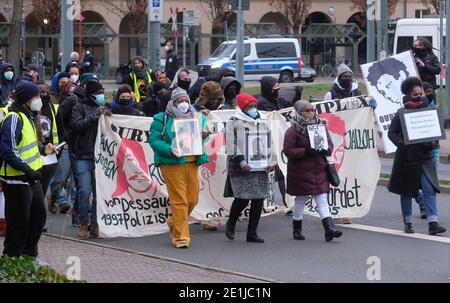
x=108 y=265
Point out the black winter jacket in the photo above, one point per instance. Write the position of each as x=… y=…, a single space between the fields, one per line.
x=431 y=69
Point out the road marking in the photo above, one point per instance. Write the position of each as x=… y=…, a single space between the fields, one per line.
x=396 y=232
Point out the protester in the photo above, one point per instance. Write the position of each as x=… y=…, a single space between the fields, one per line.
x=31 y=73
x=21 y=153
x=269 y=100
x=246 y=185
x=7 y=82
x=124 y=103
x=59 y=80
x=157 y=99
x=161 y=76
x=231 y=88
x=184 y=79
x=171 y=60
x=427 y=62
x=344 y=85
x=52 y=130
x=74 y=71
x=84 y=122
x=414 y=166
x=88 y=63
x=211 y=97
x=306 y=170
x=86 y=77
x=179 y=172
x=139 y=78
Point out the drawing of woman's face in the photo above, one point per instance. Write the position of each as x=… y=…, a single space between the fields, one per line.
x=137 y=179
x=387 y=87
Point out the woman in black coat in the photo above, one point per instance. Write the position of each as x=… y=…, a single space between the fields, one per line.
x=414 y=166
x=427 y=62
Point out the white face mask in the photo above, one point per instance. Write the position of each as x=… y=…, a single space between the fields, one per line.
x=36 y=105
x=183 y=107
x=74 y=78
x=166 y=48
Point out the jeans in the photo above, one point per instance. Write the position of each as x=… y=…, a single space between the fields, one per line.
x=429 y=200
x=85 y=180
x=63 y=172
x=419 y=199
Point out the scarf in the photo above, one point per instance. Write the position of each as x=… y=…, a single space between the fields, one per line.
x=174 y=112
x=300 y=124
x=417 y=103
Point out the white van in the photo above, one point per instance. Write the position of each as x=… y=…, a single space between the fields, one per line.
x=277 y=57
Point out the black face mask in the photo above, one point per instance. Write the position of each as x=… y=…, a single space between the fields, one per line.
x=230 y=93
x=125 y=102
x=417 y=99
x=346 y=83
x=431 y=97
x=45 y=98
x=419 y=51
x=275 y=93
x=184 y=84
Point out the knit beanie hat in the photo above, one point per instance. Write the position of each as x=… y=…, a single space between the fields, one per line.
x=177 y=93
x=300 y=105
x=344 y=69
x=86 y=77
x=25 y=91
x=93 y=87
x=244 y=100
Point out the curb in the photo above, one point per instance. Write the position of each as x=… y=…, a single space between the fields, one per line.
x=442 y=159
x=444 y=188
x=163 y=258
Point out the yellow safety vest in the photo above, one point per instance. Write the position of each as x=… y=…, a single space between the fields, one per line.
x=135 y=87
x=3 y=113
x=54 y=126
x=28 y=148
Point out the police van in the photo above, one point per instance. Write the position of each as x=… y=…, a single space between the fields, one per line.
x=277 y=57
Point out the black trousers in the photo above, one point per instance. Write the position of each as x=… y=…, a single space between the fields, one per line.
x=255 y=212
x=25 y=217
x=47 y=173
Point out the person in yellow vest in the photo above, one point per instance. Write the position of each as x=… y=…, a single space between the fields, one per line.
x=139 y=79
x=52 y=130
x=21 y=162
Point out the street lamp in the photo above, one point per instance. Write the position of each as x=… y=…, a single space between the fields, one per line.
x=46 y=21
x=332 y=12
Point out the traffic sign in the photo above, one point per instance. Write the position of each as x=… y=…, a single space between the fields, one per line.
x=190 y=17
x=38 y=58
x=156 y=11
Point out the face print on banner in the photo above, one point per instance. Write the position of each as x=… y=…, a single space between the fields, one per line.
x=337 y=131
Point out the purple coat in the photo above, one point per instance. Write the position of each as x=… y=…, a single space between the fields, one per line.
x=305 y=175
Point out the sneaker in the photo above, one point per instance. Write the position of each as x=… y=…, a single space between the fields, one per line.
x=64 y=208
x=182 y=244
x=434 y=228
x=52 y=206
x=75 y=219
x=408 y=228
x=423 y=213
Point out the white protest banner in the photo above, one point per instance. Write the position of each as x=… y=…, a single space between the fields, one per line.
x=351 y=125
x=383 y=80
x=131 y=195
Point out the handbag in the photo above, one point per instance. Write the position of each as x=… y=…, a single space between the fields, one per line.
x=333 y=176
x=228 y=190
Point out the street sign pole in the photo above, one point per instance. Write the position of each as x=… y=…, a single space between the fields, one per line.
x=185 y=30
x=67 y=17
x=155 y=16
x=384 y=28
x=370 y=30
x=240 y=44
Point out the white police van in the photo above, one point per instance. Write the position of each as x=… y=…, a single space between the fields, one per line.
x=277 y=57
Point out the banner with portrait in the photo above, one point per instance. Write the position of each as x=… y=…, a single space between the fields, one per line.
x=132 y=200
x=383 y=81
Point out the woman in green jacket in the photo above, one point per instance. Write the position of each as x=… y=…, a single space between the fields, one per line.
x=179 y=172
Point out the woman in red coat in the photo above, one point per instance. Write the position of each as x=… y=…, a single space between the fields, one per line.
x=306 y=170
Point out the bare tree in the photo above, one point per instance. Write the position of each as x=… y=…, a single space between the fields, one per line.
x=15 y=34
x=431 y=5
x=361 y=6
x=295 y=12
x=216 y=11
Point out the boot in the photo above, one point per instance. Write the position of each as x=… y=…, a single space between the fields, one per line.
x=253 y=237
x=94 y=231
x=330 y=232
x=84 y=232
x=297 y=227
x=52 y=206
x=434 y=228
x=229 y=231
x=423 y=213
x=408 y=228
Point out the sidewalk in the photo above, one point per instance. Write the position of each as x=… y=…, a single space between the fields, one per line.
x=102 y=264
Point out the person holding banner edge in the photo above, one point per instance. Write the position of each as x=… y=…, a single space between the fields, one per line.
x=306 y=170
x=179 y=172
x=414 y=166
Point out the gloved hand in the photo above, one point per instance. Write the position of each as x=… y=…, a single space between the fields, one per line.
x=32 y=175
x=310 y=152
x=323 y=152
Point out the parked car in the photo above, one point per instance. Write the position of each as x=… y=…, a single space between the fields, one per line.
x=124 y=70
x=307 y=74
x=277 y=57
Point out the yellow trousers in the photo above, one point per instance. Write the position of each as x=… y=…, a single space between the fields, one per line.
x=183 y=189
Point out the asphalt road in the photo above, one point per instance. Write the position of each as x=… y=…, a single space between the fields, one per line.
x=402 y=258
